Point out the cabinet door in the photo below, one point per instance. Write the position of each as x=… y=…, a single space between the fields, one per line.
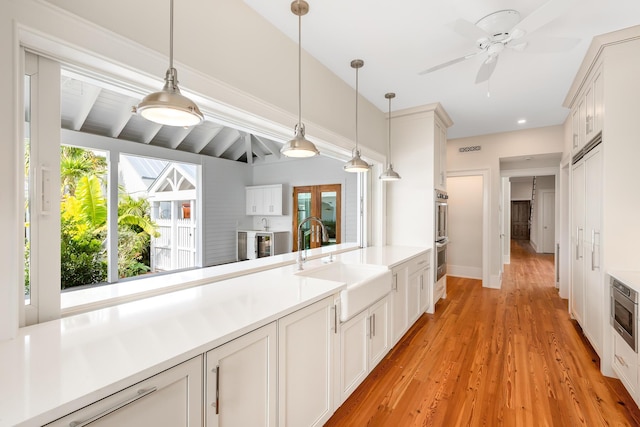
x=582 y=128
x=413 y=297
x=575 y=126
x=593 y=276
x=598 y=101
x=273 y=200
x=379 y=332
x=241 y=375
x=426 y=291
x=440 y=155
x=399 y=302
x=305 y=368
x=625 y=363
x=589 y=102
x=577 y=236
x=172 y=398
x=353 y=353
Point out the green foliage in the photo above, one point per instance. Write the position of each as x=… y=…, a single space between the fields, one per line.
x=82 y=255
x=84 y=223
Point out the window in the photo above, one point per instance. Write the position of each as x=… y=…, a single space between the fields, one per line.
x=320 y=201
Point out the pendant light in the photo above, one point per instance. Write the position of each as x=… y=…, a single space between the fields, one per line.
x=169 y=106
x=299 y=146
x=356 y=164
x=389 y=174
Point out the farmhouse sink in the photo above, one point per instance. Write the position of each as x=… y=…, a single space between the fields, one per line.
x=366 y=283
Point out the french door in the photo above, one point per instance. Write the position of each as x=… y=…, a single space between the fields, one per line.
x=320 y=201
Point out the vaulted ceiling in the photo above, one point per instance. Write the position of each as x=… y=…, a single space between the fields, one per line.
x=88 y=107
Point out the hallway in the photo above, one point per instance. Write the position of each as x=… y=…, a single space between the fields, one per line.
x=488 y=357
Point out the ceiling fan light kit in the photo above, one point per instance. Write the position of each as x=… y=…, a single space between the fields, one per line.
x=169 y=106
x=499 y=30
x=299 y=146
x=389 y=174
x=356 y=164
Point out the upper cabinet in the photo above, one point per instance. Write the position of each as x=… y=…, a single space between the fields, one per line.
x=264 y=199
x=440 y=155
x=587 y=112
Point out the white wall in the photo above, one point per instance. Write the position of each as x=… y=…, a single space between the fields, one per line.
x=223 y=208
x=496 y=146
x=313 y=171
x=464 y=252
x=521 y=190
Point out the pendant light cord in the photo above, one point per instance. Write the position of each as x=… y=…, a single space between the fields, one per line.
x=356 y=110
x=389 y=141
x=299 y=65
x=171 y=35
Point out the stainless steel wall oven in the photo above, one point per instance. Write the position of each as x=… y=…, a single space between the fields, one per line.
x=624 y=312
x=441 y=233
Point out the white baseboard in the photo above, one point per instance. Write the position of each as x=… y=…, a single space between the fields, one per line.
x=464 y=271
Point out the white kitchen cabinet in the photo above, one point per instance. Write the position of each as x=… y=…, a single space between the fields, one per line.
x=413 y=296
x=171 y=398
x=399 y=291
x=306 y=340
x=440 y=156
x=625 y=364
x=587 y=115
x=364 y=341
x=594 y=315
x=264 y=199
x=576 y=300
x=419 y=296
x=587 y=282
x=427 y=290
x=240 y=381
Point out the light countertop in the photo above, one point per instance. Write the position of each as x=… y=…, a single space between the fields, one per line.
x=628 y=278
x=57 y=367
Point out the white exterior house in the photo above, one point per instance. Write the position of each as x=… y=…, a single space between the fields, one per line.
x=173 y=208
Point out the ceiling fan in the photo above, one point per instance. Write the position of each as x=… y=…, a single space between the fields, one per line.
x=505 y=30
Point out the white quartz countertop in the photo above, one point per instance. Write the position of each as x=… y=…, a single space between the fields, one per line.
x=628 y=278
x=57 y=367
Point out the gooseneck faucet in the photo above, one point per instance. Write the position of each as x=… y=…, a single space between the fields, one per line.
x=325 y=238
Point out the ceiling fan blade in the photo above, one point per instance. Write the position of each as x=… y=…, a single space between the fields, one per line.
x=546 y=13
x=468 y=30
x=486 y=69
x=446 y=64
x=547 y=44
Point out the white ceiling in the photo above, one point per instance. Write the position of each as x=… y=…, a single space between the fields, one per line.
x=399 y=38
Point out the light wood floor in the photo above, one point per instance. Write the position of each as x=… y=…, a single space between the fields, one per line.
x=508 y=357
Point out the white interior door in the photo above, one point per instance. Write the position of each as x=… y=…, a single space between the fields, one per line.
x=548 y=221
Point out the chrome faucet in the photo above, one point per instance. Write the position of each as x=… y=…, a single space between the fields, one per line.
x=265 y=224
x=325 y=238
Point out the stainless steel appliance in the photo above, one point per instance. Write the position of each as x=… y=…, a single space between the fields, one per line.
x=441 y=233
x=442 y=225
x=242 y=246
x=263 y=244
x=624 y=312
x=441 y=260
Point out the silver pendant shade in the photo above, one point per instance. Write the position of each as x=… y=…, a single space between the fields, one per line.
x=389 y=174
x=356 y=164
x=169 y=106
x=299 y=146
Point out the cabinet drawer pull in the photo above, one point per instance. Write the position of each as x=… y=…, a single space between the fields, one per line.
x=139 y=395
x=621 y=361
x=217 y=402
x=373 y=324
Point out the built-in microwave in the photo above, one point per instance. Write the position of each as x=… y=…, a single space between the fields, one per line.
x=624 y=312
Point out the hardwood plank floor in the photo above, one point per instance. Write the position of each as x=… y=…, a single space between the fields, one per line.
x=488 y=357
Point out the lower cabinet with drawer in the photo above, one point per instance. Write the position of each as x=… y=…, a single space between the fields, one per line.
x=172 y=398
x=625 y=364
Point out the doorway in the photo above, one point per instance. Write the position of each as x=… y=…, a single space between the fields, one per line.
x=520 y=212
x=320 y=201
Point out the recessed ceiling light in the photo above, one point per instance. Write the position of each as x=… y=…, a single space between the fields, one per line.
x=522 y=121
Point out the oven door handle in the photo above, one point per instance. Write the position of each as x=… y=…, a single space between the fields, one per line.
x=442 y=244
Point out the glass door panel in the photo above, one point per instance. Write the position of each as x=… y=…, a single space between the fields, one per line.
x=320 y=201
